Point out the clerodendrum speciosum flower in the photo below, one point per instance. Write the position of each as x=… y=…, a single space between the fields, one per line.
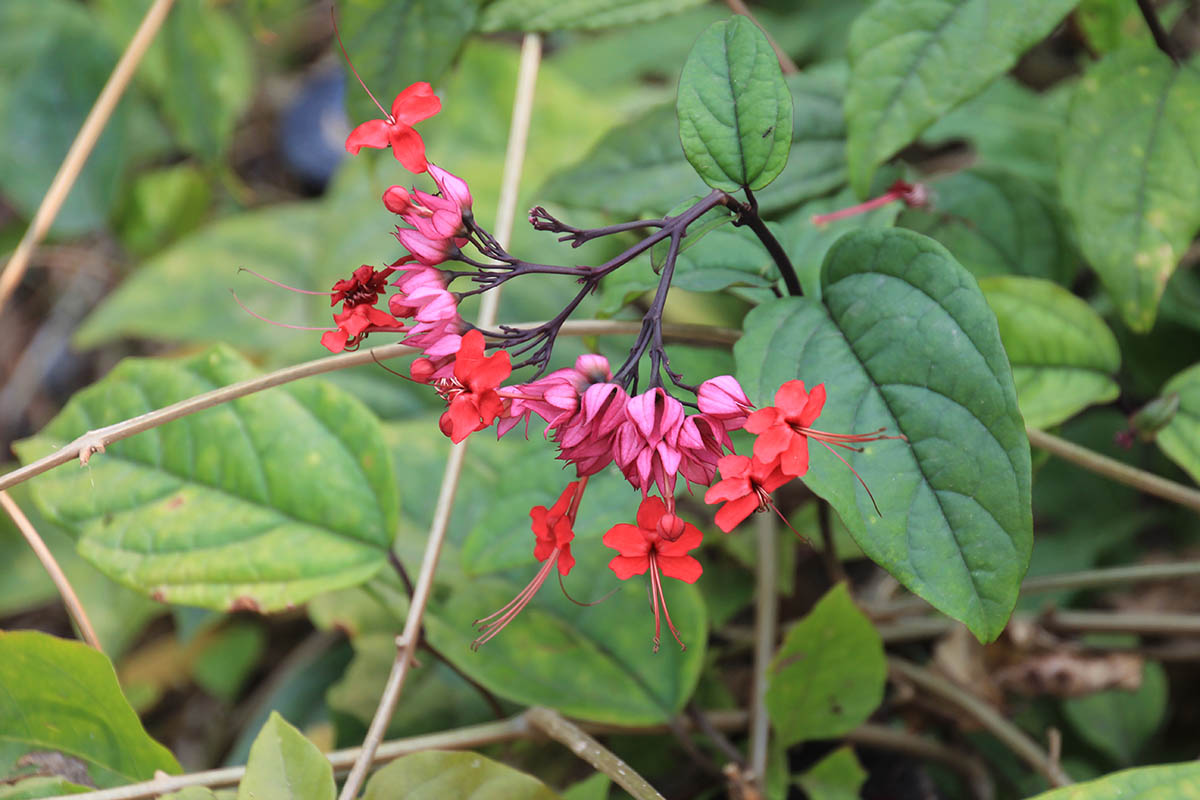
x=649 y=545
x=359 y=316
x=553 y=529
x=412 y=105
x=783 y=429
x=434 y=216
x=471 y=393
x=587 y=439
x=745 y=487
x=554 y=398
x=722 y=398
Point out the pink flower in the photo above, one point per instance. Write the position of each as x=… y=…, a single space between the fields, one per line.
x=722 y=398
x=555 y=397
x=648 y=546
x=746 y=487
x=474 y=403
x=553 y=530
x=412 y=105
x=698 y=464
x=586 y=439
x=435 y=217
x=428 y=251
x=423 y=297
x=649 y=441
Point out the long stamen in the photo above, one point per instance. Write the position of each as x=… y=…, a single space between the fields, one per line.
x=860 y=480
x=663 y=599
x=280 y=284
x=492 y=624
x=261 y=318
x=654 y=597
x=567 y=594
x=349 y=63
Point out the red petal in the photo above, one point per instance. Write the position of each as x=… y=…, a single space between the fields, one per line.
x=627 y=567
x=650 y=512
x=335 y=341
x=684 y=568
x=816 y=403
x=732 y=513
x=763 y=419
x=689 y=540
x=372 y=133
x=628 y=540
x=791 y=398
x=416 y=103
x=408 y=148
x=772 y=442
x=727 y=490
x=464 y=418
x=566 y=560
x=491 y=372
x=794 y=461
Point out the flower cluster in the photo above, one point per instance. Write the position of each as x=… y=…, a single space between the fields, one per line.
x=595 y=416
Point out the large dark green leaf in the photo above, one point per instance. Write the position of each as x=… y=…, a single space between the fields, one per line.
x=1131 y=174
x=284 y=765
x=1063 y=356
x=735 y=111
x=63 y=697
x=829 y=673
x=551 y=15
x=997 y=223
x=1163 y=782
x=914 y=60
x=398 y=42
x=906 y=342
x=463 y=776
x=259 y=503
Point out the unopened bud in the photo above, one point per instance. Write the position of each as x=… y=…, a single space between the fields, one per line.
x=670 y=527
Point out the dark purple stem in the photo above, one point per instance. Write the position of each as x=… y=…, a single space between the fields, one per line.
x=1161 y=39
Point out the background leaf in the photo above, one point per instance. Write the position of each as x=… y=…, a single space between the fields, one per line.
x=837 y=776
x=1120 y=723
x=905 y=342
x=735 y=111
x=260 y=503
x=1180 y=439
x=438 y=775
x=1130 y=174
x=1144 y=783
x=913 y=60
x=829 y=673
x=63 y=697
x=284 y=765
x=1064 y=358
x=551 y=15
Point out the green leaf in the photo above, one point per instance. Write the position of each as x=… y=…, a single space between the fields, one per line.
x=163 y=205
x=997 y=223
x=1180 y=439
x=829 y=673
x=837 y=776
x=1109 y=24
x=1119 y=722
x=726 y=257
x=1130 y=174
x=913 y=60
x=260 y=503
x=284 y=765
x=594 y=788
x=906 y=342
x=735 y=111
x=63 y=697
x=1162 y=782
x=395 y=43
x=32 y=788
x=1063 y=356
x=438 y=775
x=553 y=15
x=42 y=106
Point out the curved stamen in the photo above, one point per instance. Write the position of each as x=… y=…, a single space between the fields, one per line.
x=261 y=318
x=280 y=284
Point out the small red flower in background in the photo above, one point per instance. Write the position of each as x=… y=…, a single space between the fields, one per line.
x=412 y=105
x=474 y=401
x=553 y=529
x=358 y=295
x=647 y=546
x=745 y=487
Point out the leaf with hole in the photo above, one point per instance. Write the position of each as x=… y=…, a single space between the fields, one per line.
x=829 y=673
x=735 y=111
x=904 y=341
x=62 y=704
x=911 y=61
x=1064 y=358
x=259 y=503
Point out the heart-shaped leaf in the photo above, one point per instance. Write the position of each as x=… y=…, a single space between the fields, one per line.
x=260 y=503
x=912 y=61
x=905 y=341
x=1130 y=173
x=735 y=111
x=61 y=699
x=1063 y=356
x=438 y=775
x=829 y=673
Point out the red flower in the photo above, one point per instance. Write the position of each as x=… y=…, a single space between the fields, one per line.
x=553 y=529
x=358 y=295
x=474 y=401
x=414 y=104
x=649 y=546
x=745 y=487
x=783 y=429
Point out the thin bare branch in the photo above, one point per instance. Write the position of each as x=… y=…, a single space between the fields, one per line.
x=1007 y=733
x=81 y=148
x=70 y=599
x=531 y=52
x=586 y=747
